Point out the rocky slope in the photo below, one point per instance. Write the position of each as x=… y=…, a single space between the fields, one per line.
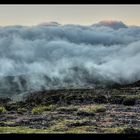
x=114 y=110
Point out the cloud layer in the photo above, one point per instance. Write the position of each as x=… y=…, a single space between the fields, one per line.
x=67 y=56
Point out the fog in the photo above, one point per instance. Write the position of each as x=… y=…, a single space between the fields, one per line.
x=54 y=56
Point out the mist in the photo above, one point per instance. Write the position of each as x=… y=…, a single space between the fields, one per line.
x=46 y=56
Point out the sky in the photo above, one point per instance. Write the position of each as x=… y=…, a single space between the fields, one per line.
x=29 y=15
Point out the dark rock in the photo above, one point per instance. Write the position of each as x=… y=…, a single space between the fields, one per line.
x=76 y=124
x=83 y=113
x=116 y=99
x=129 y=101
x=4 y=101
x=100 y=99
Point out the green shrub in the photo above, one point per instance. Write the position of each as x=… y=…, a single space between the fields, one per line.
x=41 y=109
x=99 y=108
x=2 y=110
x=51 y=107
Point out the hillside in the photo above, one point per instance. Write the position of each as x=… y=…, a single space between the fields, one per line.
x=74 y=111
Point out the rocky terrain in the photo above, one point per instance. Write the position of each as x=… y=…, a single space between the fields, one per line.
x=112 y=110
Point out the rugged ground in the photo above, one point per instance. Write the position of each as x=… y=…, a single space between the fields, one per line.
x=115 y=110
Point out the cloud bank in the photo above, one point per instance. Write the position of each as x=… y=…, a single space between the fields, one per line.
x=67 y=56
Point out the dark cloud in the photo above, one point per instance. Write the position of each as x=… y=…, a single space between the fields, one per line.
x=49 y=57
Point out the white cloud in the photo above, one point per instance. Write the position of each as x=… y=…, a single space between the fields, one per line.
x=49 y=57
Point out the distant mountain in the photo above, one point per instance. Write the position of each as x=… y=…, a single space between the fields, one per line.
x=135 y=84
x=112 y=24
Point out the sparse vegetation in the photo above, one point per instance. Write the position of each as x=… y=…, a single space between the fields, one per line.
x=9 y=122
x=82 y=130
x=73 y=113
x=77 y=123
x=66 y=124
x=38 y=110
x=112 y=130
x=91 y=110
x=130 y=130
x=23 y=130
x=2 y=110
x=41 y=109
x=122 y=130
x=99 y=108
x=67 y=108
x=21 y=110
x=59 y=126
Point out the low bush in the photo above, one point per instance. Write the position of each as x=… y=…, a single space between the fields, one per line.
x=2 y=110
x=100 y=108
x=41 y=109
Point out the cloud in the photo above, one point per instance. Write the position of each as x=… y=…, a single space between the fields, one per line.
x=111 y=23
x=69 y=56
